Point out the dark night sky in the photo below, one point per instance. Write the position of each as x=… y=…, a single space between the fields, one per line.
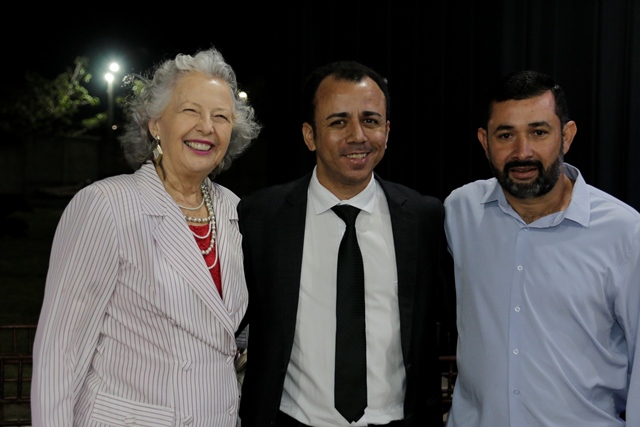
x=137 y=43
x=251 y=38
x=438 y=56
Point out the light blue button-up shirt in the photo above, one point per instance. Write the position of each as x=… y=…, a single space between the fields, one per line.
x=548 y=312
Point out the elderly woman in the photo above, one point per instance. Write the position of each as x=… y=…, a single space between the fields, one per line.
x=145 y=290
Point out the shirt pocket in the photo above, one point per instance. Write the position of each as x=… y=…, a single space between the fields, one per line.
x=116 y=411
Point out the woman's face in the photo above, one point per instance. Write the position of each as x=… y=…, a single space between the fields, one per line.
x=196 y=126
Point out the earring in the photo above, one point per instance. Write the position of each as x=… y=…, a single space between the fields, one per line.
x=157 y=151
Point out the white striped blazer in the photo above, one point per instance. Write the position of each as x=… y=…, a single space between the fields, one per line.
x=132 y=330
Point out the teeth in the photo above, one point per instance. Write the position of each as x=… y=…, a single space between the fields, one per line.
x=356 y=156
x=198 y=146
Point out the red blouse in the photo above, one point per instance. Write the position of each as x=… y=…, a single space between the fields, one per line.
x=211 y=257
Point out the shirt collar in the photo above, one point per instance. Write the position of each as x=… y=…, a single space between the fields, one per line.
x=323 y=199
x=577 y=211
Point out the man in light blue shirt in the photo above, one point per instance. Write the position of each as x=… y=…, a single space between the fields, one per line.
x=547 y=277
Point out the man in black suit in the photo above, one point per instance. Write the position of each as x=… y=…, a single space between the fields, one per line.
x=291 y=238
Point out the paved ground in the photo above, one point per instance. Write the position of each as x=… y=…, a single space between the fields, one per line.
x=26 y=233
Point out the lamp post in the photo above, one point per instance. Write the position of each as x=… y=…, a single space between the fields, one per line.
x=107 y=151
x=109 y=77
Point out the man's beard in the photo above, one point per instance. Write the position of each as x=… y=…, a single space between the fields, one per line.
x=546 y=180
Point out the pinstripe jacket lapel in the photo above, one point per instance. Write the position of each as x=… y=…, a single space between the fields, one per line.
x=228 y=245
x=176 y=243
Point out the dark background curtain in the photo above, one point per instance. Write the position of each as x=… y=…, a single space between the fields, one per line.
x=439 y=58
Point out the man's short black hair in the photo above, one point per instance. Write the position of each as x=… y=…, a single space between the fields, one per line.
x=525 y=84
x=351 y=71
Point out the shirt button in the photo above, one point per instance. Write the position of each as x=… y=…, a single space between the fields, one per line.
x=516 y=351
x=516 y=392
x=186 y=365
x=517 y=309
x=187 y=420
x=519 y=268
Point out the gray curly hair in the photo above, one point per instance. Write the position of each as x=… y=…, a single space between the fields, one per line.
x=151 y=95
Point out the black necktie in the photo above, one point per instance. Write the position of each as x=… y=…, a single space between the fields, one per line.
x=350 y=386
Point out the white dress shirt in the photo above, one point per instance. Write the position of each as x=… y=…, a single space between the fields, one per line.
x=309 y=385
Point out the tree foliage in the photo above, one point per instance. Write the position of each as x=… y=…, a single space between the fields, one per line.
x=61 y=106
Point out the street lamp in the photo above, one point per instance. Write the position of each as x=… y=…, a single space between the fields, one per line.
x=109 y=77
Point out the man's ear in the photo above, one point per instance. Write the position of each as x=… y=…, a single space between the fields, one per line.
x=568 y=133
x=386 y=140
x=484 y=141
x=308 y=136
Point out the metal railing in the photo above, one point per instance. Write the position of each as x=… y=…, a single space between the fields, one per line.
x=16 y=349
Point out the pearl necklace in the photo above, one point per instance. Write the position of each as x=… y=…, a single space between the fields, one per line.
x=194 y=208
x=210 y=219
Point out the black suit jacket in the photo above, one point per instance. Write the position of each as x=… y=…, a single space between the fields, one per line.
x=272 y=222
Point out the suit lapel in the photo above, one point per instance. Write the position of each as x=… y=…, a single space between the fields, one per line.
x=234 y=289
x=290 y=223
x=177 y=245
x=404 y=226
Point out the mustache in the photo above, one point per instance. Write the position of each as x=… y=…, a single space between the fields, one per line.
x=522 y=164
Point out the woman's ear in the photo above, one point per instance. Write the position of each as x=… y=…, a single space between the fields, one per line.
x=153 y=127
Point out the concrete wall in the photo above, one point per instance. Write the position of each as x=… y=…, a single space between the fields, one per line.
x=41 y=163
